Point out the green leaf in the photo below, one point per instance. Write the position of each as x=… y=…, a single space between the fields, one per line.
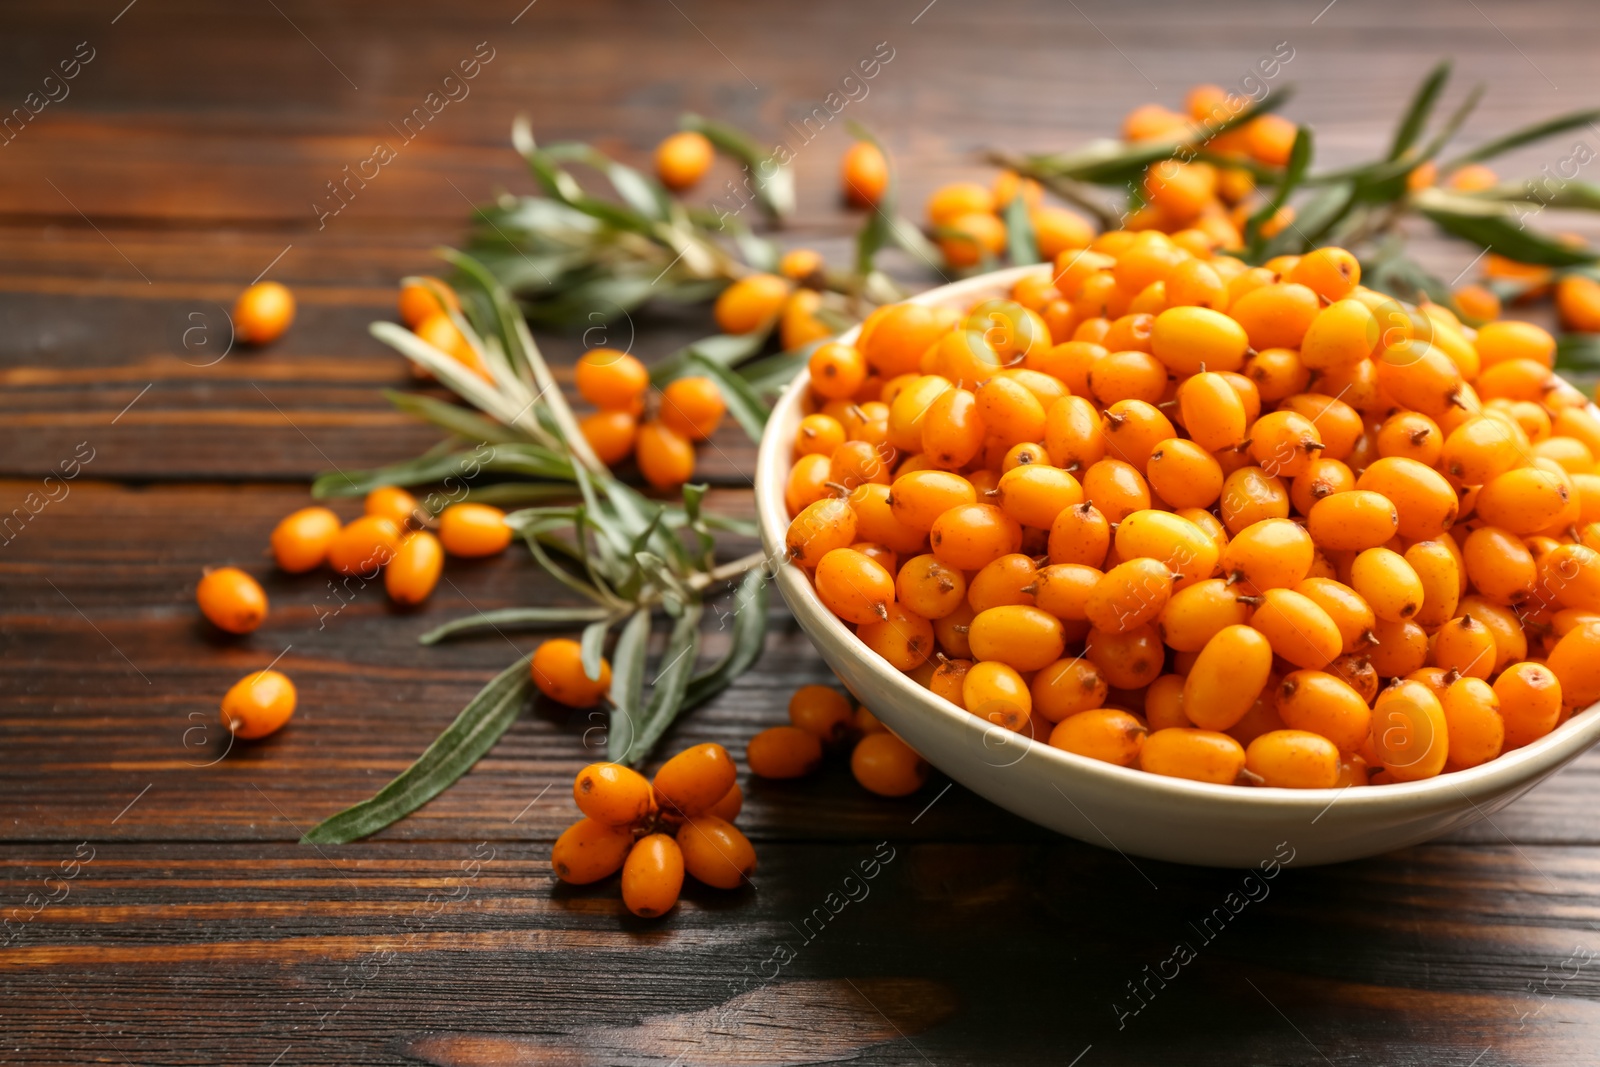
x=1574 y=195
x=531 y=460
x=744 y=403
x=667 y=690
x=1578 y=352
x=627 y=684
x=515 y=494
x=1493 y=225
x=771 y=374
x=458 y=420
x=1299 y=160
x=514 y=619
x=749 y=614
x=728 y=349
x=1020 y=241
x=1415 y=119
x=1527 y=135
x=480 y=724
x=592 y=647
x=774 y=184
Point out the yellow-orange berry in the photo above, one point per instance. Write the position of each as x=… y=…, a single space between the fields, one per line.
x=424 y=296
x=665 y=457
x=694 y=780
x=683 y=158
x=693 y=407
x=784 y=752
x=821 y=711
x=1110 y=735
x=887 y=766
x=611 y=380
x=1198 y=755
x=263 y=313
x=652 y=876
x=588 y=851
x=864 y=173
x=715 y=852
x=557 y=669
x=231 y=599
x=1293 y=759
x=612 y=794
x=473 y=530
x=364 y=545
x=258 y=704
x=412 y=574
x=300 y=540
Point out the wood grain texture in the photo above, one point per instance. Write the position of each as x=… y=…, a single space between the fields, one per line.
x=154 y=907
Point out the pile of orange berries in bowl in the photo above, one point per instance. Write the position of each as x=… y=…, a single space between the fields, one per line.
x=394 y=538
x=1232 y=524
x=654 y=831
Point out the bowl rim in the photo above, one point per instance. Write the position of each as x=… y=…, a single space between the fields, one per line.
x=1521 y=767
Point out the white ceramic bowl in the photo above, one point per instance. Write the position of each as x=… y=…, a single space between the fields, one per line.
x=1131 y=811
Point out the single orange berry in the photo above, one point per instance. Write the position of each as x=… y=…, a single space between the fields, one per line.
x=612 y=794
x=665 y=457
x=611 y=380
x=694 y=780
x=652 y=876
x=784 y=752
x=231 y=599
x=750 y=303
x=887 y=766
x=258 y=704
x=262 y=313
x=424 y=296
x=821 y=711
x=693 y=407
x=865 y=173
x=393 y=503
x=364 y=545
x=588 y=851
x=300 y=540
x=837 y=370
x=471 y=530
x=715 y=852
x=414 y=571
x=683 y=159
x=557 y=669
x=611 y=435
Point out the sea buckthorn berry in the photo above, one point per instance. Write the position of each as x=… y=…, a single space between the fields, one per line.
x=715 y=852
x=1284 y=443
x=1066 y=687
x=1351 y=522
x=885 y=765
x=1129 y=595
x=1338 y=425
x=920 y=497
x=864 y=722
x=1035 y=493
x=798 y=323
x=929 y=587
x=1127 y=375
x=996 y=693
x=1198 y=612
x=784 y=752
x=1198 y=755
x=1499 y=565
x=1080 y=534
x=1425 y=501
x=1324 y=704
x=1129 y=660
x=1116 y=488
x=1441 y=574
x=1411 y=435
x=808 y=482
x=876 y=522
x=1262 y=717
x=1132 y=430
x=853 y=586
x=856 y=463
x=1251 y=495
x=1340 y=335
x=1073 y=435
x=557 y=669
x=300 y=540
x=1110 y=735
x=694 y=780
x=1184 y=474
x=1351 y=614
x=1502 y=342
x=367 y=543
x=412 y=574
x=910 y=408
x=959 y=198
x=1009 y=411
x=231 y=599
x=1212 y=411
x=1011 y=579
x=819 y=529
x=1572 y=574
x=393 y=503
x=1196 y=283
x=614 y=795
x=1298 y=629
x=818 y=434
x=1057 y=230
x=1276 y=316
x=1524 y=500
x=1472 y=719
x=472 y=530
x=1063 y=589
x=610 y=434
x=1178 y=544
x=652 y=876
x=1163 y=703
x=1383 y=578
x=612 y=380
x=1409 y=734
x=588 y=851
x=1023 y=637
x=1293 y=759
x=750 y=303
x=1271 y=554
x=972 y=535
x=258 y=704
x=949 y=680
x=683 y=158
x=1398 y=648
x=1356 y=671
x=1481 y=449
x=837 y=370
x=693 y=407
x=1530 y=702
x=1277 y=373
x=953 y=431
x=969 y=239
x=799 y=264
x=905 y=638
x=665 y=457
x=1575 y=661
x=263 y=313
x=1516 y=379
x=1191 y=339
x=1331 y=273
x=1230 y=672
x=424 y=296
x=821 y=711
x=864 y=174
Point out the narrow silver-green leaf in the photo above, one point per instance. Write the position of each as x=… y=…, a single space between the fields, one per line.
x=592 y=648
x=514 y=619
x=456 y=419
x=1020 y=242
x=452 y=754
x=1526 y=135
x=1415 y=119
x=748 y=615
x=627 y=685
x=667 y=690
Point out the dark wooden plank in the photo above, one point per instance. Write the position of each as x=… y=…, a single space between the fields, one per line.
x=465 y=952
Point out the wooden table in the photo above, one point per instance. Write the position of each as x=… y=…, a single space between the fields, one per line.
x=184 y=162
